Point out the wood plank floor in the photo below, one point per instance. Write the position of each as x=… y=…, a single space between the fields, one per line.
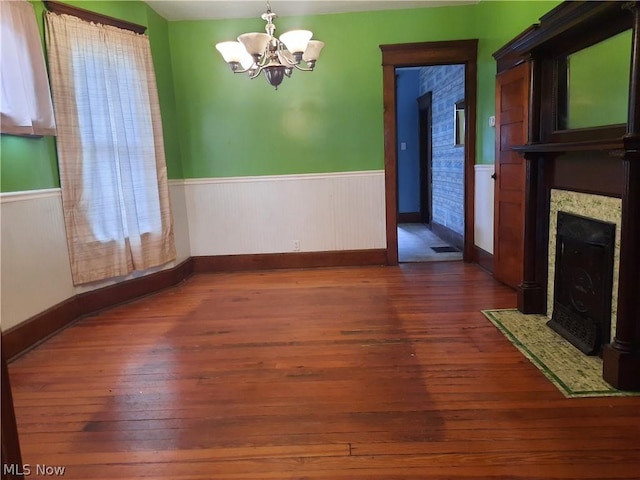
x=342 y=373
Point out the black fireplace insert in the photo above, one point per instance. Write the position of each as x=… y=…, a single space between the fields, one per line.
x=583 y=281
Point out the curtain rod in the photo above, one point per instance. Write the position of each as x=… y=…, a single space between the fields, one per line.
x=63 y=8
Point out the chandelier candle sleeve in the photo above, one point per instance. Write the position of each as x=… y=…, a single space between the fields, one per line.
x=256 y=53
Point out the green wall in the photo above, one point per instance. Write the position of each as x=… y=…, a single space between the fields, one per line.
x=31 y=163
x=498 y=22
x=217 y=124
x=158 y=29
x=27 y=164
x=329 y=120
x=326 y=121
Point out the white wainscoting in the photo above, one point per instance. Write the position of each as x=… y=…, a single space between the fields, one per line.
x=35 y=260
x=322 y=212
x=483 y=228
x=180 y=220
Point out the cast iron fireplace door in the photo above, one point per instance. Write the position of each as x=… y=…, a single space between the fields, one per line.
x=583 y=281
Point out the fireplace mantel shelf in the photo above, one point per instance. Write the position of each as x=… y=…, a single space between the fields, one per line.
x=613 y=145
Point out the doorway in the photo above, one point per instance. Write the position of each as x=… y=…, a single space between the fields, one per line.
x=462 y=52
x=430 y=169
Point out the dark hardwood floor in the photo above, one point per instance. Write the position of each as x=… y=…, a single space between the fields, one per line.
x=340 y=373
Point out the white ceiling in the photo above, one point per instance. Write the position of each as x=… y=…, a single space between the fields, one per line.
x=212 y=9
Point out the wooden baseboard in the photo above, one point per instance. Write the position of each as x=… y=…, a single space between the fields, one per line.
x=483 y=258
x=448 y=235
x=126 y=291
x=409 y=217
x=21 y=338
x=272 y=261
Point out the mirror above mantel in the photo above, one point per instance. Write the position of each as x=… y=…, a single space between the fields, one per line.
x=597 y=85
x=582 y=56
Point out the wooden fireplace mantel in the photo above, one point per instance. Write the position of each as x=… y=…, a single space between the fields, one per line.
x=602 y=160
x=613 y=145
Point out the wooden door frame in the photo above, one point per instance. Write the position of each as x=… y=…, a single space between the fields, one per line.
x=426 y=138
x=417 y=55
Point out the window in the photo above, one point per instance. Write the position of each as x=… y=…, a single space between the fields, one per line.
x=103 y=179
x=110 y=149
x=25 y=100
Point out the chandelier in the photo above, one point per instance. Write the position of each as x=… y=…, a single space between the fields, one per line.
x=255 y=53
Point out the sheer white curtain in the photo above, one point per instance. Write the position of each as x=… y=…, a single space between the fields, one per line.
x=25 y=100
x=110 y=149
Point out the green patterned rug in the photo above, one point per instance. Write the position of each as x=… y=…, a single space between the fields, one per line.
x=575 y=374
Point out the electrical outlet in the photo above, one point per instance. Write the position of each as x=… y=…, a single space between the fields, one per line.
x=296 y=245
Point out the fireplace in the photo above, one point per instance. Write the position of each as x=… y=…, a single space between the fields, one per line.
x=583 y=281
x=600 y=160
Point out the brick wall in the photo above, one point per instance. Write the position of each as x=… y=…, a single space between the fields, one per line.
x=447 y=84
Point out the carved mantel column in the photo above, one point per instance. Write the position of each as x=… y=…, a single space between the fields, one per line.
x=532 y=291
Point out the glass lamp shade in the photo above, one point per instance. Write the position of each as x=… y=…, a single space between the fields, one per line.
x=254 y=43
x=296 y=40
x=235 y=53
x=231 y=51
x=313 y=50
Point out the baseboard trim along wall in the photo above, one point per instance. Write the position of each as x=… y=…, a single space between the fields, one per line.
x=484 y=259
x=409 y=217
x=21 y=338
x=272 y=261
x=448 y=235
x=26 y=335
